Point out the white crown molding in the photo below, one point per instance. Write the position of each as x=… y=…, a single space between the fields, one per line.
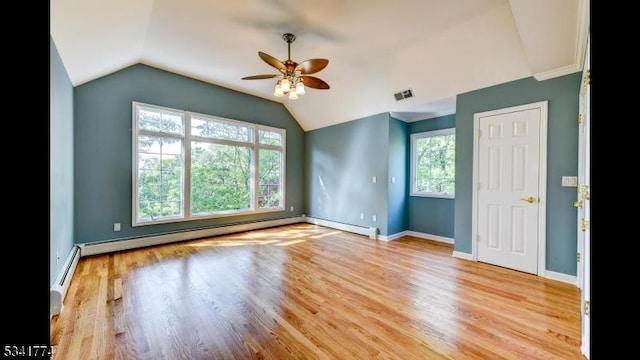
x=566 y=70
x=582 y=35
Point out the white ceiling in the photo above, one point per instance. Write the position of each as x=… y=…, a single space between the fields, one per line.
x=437 y=48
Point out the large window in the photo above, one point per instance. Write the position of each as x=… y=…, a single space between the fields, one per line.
x=433 y=163
x=192 y=166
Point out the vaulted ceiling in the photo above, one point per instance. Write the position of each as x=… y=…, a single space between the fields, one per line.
x=436 y=48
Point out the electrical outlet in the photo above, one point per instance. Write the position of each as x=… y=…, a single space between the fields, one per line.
x=569 y=181
x=374 y=179
x=374 y=218
x=361 y=216
x=292 y=208
x=116 y=226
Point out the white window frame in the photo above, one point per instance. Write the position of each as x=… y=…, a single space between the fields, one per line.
x=187 y=139
x=414 y=140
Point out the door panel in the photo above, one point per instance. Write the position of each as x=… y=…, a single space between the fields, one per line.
x=507 y=198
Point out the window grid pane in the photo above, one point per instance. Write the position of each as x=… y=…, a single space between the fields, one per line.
x=270 y=138
x=435 y=164
x=220 y=178
x=161 y=121
x=160 y=175
x=221 y=130
x=269 y=180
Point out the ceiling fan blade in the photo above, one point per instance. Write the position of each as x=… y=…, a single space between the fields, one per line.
x=312 y=65
x=314 y=83
x=272 y=61
x=259 y=77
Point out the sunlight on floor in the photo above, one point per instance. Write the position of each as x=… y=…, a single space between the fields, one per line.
x=275 y=238
x=236 y=242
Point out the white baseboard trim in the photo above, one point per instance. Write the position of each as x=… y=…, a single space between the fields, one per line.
x=439 y=238
x=462 y=255
x=371 y=232
x=60 y=285
x=393 y=236
x=569 y=279
x=126 y=244
x=59 y=288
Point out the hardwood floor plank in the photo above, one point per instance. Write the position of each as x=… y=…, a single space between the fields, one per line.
x=303 y=291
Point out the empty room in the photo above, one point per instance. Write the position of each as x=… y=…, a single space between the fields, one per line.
x=279 y=179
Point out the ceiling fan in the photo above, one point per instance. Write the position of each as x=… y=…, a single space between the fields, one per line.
x=293 y=77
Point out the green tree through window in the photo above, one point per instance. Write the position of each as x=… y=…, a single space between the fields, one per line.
x=433 y=163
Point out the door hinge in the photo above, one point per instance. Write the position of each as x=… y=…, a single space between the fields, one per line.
x=578 y=257
x=583 y=190
x=587 y=78
x=584 y=224
x=478 y=238
x=479 y=132
x=580 y=119
x=586 y=307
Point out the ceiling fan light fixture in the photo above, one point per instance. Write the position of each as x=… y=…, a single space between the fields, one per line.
x=285 y=85
x=292 y=73
x=278 y=90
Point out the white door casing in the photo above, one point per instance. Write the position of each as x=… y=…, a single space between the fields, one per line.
x=583 y=204
x=510 y=187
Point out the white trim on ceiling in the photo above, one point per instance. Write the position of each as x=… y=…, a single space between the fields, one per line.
x=581 y=45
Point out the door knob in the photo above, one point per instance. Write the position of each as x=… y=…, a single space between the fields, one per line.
x=530 y=199
x=578 y=204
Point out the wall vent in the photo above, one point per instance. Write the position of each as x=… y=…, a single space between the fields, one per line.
x=404 y=94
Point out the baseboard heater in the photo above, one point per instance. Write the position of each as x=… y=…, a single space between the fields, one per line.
x=135 y=243
x=61 y=284
x=96 y=248
x=371 y=232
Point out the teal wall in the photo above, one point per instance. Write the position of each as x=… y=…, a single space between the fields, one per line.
x=562 y=159
x=60 y=162
x=103 y=141
x=329 y=170
x=340 y=163
x=433 y=216
x=398 y=191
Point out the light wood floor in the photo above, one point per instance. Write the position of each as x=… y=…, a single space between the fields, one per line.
x=308 y=292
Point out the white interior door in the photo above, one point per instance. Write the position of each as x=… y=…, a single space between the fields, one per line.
x=510 y=185
x=583 y=204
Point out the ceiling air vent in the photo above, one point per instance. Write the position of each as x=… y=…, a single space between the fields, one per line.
x=404 y=94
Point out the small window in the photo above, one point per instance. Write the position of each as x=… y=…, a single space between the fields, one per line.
x=433 y=163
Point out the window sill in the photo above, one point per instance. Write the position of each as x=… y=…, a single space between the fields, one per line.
x=434 y=195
